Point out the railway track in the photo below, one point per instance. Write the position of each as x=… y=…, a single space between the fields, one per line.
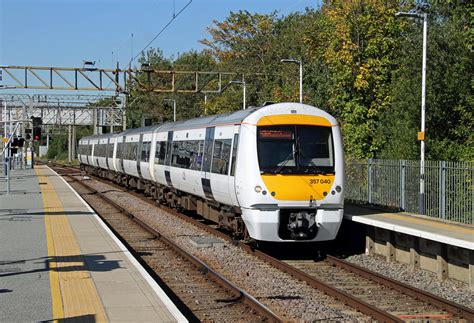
x=203 y=293
x=375 y=295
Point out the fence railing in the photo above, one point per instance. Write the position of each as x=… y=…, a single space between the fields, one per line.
x=449 y=186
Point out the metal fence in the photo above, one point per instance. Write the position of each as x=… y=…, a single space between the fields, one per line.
x=449 y=186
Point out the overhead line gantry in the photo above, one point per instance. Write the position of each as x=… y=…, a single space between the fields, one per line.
x=118 y=80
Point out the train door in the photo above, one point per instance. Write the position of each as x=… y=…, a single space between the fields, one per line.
x=233 y=166
x=220 y=164
x=122 y=151
x=207 y=163
x=169 y=146
x=87 y=151
x=139 y=155
x=107 y=153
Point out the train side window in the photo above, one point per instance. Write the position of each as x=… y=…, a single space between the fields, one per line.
x=198 y=151
x=208 y=149
x=182 y=154
x=127 y=150
x=160 y=152
x=234 y=154
x=221 y=156
x=111 y=151
x=169 y=147
x=118 y=154
x=134 y=149
x=175 y=156
x=145 y=154
x=124 y=150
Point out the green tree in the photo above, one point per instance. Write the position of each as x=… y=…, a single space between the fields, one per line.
x=356 y=41
x=449 y=92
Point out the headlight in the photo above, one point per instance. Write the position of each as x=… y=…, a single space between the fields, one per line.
x=258 y=188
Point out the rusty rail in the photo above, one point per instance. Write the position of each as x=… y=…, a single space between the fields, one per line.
x=434 y=300
x=260 y=308
x=348 y=299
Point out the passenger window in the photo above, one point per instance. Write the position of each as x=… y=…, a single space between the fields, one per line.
x=208 y=149
x=145 y=154
x=221 y=156
x=234 y=154
x=196 y=162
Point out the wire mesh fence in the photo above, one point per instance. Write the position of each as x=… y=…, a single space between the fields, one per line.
x=449 y=187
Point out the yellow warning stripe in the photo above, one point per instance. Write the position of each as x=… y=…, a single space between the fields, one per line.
x=73 y=292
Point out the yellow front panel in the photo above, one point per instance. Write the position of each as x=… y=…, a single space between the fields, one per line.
x=303 y=119
x=298 y=187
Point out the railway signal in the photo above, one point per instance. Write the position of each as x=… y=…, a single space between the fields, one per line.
x=37 y=122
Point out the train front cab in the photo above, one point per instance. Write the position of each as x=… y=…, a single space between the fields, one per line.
x=296 y=192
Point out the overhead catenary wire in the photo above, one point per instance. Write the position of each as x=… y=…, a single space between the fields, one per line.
x=161 y=31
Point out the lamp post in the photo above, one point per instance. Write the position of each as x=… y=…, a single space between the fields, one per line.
x=174 y=108
x=300 y=62
x=245 y=90
x=421 y=134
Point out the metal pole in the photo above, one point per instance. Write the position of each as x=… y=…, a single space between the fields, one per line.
x=94 y=121
x=174 y=110
x=245 y=94
x=301 y=81
x=423 y=106
x=124 y=114
x=5 y=119
x=73 y=146
x=69 y=146
x=8 y=176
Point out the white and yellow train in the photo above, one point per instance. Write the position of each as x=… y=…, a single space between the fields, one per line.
x=273 y=173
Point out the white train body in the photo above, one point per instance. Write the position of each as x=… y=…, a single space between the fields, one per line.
x=276 y=171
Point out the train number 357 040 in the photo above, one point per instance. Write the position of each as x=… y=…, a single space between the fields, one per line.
x=319 y=181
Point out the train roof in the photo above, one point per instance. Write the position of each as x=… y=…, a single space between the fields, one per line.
x=225 y=118
x=207 y=121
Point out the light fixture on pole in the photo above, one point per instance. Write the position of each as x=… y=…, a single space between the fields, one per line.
x=421 y=135
x=245 y=90
x=300 y=62
x=174 y=108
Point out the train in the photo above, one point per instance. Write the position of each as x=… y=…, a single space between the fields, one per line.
x=273 y=173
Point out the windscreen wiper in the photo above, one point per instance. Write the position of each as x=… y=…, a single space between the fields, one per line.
x=286 y=160
x=317 y=171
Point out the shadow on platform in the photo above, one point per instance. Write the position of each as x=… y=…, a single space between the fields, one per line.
x=88 y=318
x=88 y=262
x=16 y=212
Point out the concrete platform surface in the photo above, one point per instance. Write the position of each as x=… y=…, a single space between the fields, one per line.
x=422 y=227
x=58 y=260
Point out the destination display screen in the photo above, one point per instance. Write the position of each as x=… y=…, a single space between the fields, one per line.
x=275 y=134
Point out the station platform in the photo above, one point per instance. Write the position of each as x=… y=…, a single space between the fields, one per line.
x=59 y=261
x=444 y=248
x=420 y=226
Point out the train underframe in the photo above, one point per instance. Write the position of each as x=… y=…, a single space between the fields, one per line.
x=225 y=216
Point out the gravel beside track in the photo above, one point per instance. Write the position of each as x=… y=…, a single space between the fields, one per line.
x=288 y=297
x=206 y=299
x=452 y=290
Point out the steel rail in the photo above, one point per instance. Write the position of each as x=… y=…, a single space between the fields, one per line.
x=350 y=300
x=260 y=308
x=416 y=293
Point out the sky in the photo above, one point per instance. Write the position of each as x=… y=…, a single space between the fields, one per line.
x=64 y=33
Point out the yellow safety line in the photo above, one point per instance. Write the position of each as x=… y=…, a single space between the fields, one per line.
x=53 y=274
x=73 y=292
